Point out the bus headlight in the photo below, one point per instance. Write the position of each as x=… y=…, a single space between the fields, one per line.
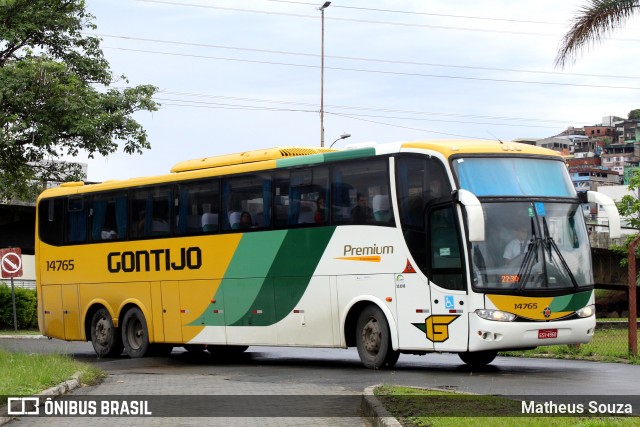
x=587 y=311
x=497 y=315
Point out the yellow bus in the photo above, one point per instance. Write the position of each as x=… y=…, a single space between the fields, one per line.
x=467 y=247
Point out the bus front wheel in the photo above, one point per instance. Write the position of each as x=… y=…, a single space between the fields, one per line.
x=104 y=336
x=478 y=359
x=374 y=340
x=135 y=335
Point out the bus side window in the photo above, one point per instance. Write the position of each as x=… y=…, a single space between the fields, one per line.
x=249 y=196
x=446 y=260
x=51 y=221
x=150 y=211
x=77 y=222
x=198 y=207
x=360 y=193
x=109 y=216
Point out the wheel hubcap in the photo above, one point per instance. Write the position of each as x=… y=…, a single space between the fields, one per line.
x=103 y=331
x=371 y=336
x=136 y=334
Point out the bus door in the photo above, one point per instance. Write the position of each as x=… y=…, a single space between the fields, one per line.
x=448 y=326
x=171 y=321
x=60 y=311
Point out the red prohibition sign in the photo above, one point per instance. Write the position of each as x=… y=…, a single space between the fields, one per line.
x=11 y=264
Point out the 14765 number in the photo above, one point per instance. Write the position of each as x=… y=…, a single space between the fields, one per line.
x=60 y=265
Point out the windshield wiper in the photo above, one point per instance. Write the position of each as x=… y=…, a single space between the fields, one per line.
x=551 y=244
x=530 y=258
x=527 y=263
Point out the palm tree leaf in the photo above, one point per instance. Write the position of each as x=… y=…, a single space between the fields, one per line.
x=593 y=23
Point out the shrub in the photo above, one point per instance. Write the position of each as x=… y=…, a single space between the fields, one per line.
x=26 y=308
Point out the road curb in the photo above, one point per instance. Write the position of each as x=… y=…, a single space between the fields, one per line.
x=375 y=412
x=59 y=390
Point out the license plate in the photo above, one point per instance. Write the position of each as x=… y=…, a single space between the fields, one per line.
x=547 y=333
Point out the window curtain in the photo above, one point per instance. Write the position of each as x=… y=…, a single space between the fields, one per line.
x=266 y=202
x=183 y=211
x=148 y=217
x=99 y=215
x=121 y=216
x=78 y=226
x=226 y=205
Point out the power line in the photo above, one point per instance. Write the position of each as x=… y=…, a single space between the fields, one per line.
x=406 y=127
x=335 y=114
x=423 y=13
x=402 y=24
x=359 y=108
x=355 y=58
x=365 y=21
x=254 y=107
x=385 y=72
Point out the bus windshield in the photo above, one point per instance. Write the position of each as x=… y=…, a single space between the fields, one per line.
x=533 y=240
x=513 y=176
x=532 y=246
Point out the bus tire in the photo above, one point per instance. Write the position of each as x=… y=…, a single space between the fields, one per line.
x=374 y=339
x=135 y=335
x=477 y=359
x=105 y=338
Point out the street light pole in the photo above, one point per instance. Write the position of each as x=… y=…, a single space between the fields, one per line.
x=343 y=136
x=322 y=8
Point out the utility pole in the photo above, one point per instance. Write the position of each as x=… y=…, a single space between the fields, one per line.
x=322 y=8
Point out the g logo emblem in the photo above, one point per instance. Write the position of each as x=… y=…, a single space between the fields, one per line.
x=436 y=327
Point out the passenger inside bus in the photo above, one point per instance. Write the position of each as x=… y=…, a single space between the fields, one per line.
x=517 y=246
x=245 y=220
x=361 y=213
x=321 y=211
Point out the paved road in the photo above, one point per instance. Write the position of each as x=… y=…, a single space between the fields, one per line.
x=271 y=371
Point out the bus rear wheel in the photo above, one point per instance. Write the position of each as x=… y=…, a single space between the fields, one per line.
x=135 y=335
x=374 y=340
x=104 y=336
x=478 y=359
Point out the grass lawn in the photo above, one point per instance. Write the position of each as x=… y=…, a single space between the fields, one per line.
x=434 y=408
x=608 y=345
x=28 y=374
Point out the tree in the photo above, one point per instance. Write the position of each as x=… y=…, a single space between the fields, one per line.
x=629 y=208
x=55 y=95
x=634 y=114
x=593 y=23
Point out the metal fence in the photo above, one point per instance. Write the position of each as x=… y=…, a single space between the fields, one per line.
x=18 y=283
x=611 y=337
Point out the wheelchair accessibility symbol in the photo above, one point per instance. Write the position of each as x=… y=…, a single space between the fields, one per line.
x=448 y=302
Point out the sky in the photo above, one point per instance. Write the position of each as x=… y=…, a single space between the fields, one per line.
x=243 y=75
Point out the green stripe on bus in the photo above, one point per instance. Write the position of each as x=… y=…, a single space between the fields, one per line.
x=283 y=287
x=349 y=154
x=326 y=157
x=570 y=302
x=300 y=160
x=259 y=288
x=244 y=277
